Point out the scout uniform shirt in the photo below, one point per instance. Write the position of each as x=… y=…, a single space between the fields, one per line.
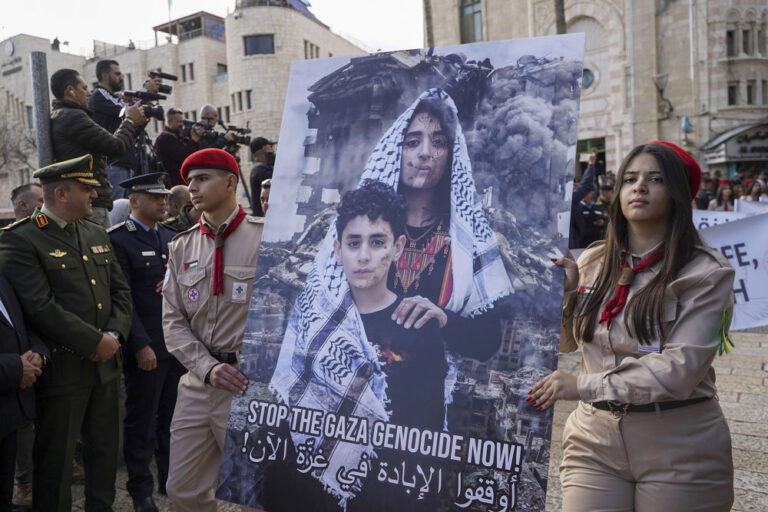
x=615 y=366
x=194 y=320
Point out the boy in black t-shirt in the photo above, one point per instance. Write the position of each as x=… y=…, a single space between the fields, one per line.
x=370 y=227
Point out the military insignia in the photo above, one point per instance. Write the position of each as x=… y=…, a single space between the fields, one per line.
x=58 y=253
x=193 y=295
x=238 y=292
x=41 y=220
x=130 y=225
x=190 y=265
x=148 y=253
x=99 y=249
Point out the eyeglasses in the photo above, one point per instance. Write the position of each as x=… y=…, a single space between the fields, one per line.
x=204 y=118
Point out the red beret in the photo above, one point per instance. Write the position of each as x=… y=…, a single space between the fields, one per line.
x=694 y=171
x=726 y=182
x=210 y=158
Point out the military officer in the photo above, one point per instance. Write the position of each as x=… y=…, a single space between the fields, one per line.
x=73 y=293
x=206 y=293
x=151 y=373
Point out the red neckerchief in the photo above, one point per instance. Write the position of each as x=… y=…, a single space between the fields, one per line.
x=616 y=304
x=218 y=256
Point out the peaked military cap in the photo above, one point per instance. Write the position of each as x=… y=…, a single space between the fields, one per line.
x=151 y=183
x=78 y=169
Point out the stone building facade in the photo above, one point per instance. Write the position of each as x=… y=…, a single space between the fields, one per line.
x=240 y=64
x=681 y=70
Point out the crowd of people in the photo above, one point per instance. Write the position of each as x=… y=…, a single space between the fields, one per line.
x=94 y=234
x=112 y=275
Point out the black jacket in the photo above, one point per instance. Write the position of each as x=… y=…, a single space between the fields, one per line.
x=74 y=133
x=16 y=403
x=143 y=264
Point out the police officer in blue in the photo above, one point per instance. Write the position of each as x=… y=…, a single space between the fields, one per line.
x=151 y=373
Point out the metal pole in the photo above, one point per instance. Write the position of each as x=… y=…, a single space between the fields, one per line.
x=42 y=108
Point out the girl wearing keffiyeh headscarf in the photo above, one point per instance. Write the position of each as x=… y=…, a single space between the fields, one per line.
x=451 y=268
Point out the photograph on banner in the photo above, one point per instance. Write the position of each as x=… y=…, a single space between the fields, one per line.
x=743 y=243
x=404 y=300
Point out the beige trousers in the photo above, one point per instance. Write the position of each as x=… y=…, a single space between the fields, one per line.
x=677 y=460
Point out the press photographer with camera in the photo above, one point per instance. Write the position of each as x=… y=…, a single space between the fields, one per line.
x=209 y=118
x=175 y=144
x=74 y=133
x=107 y=104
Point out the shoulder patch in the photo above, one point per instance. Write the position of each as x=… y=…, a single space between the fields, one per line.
x=116 y=227
x=16 y=224
x=130 y=225
x=41 y=220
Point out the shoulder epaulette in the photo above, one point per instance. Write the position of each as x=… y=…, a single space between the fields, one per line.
x=15 y=224
x=180 y=234
x=254 y=220
x=714 y=254
x=115 y=227
x=91 y=221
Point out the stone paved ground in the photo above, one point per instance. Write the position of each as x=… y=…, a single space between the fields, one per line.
x=742 y=381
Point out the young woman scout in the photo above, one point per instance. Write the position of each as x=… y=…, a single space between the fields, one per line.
x=649 y=308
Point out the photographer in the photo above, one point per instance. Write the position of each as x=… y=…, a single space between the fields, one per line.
x=107 y=105
x=263 y=153
x=74 y=133
x=209 y=118
x=172 y=147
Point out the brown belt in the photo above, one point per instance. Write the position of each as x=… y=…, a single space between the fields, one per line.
x=616 y=407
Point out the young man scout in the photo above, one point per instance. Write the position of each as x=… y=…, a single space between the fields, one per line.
x=206 y=292
x=73 y=293
x=151 y=373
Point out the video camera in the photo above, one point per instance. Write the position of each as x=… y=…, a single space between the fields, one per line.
x=240 y=134
x=155 y=111
x=164 y=88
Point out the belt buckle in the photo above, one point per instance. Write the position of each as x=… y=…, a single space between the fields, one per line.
x=618 y=410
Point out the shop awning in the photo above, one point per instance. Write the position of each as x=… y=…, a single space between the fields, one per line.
x=747 y=143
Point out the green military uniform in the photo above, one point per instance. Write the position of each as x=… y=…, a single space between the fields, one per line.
x=71 y=288
x=180 y=222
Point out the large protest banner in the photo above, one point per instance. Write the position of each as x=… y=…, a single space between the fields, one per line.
x=352 y=411
x=744 y=244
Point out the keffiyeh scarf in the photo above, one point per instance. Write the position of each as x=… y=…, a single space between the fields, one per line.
x=326 y=361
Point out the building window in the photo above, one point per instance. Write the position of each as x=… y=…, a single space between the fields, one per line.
x=765 y=92
x=240 y=101
x=183 y=72
x=259 y=45
x=186 y=115
x=226 y=113
x=471 y=20
x=311 y=51
x=191 y=66
x=30 y=118
x=733 y=92
x=249 y=99
x=730 y=43
x=221 y=72
x=218 y=109
x=751 y=85
x=746 y=41
x=129 y=81
x=156 y=130
x=232 y=96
